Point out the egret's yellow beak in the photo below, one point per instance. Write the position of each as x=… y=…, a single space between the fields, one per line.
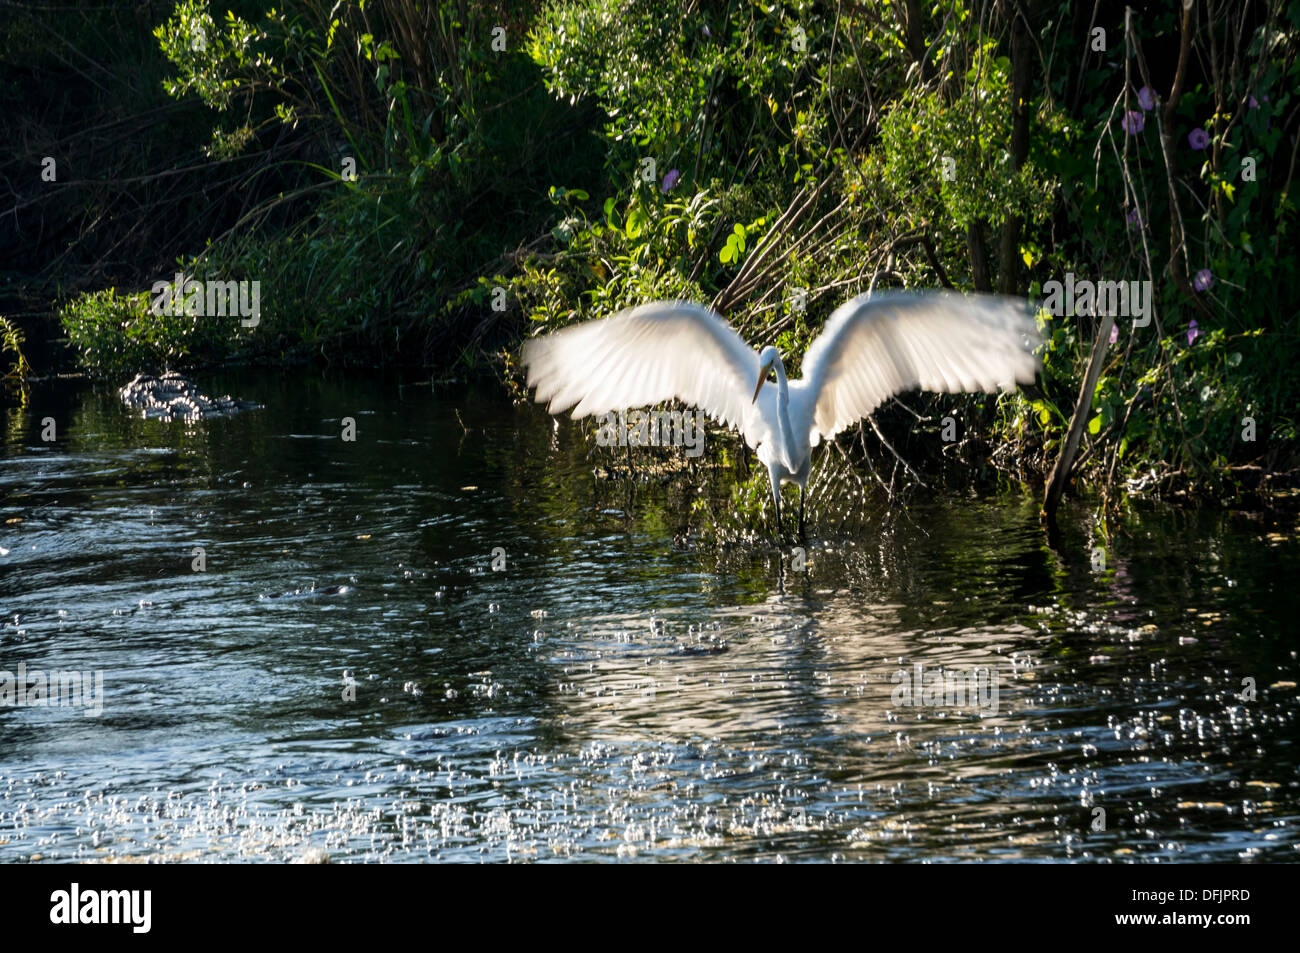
x=762 y=379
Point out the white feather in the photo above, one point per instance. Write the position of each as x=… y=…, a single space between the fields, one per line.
x=645 y=355
x=882 y=344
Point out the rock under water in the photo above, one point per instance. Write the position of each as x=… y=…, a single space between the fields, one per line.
x=173 y=397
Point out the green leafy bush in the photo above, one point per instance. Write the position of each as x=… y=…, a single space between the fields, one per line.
x=119 y=334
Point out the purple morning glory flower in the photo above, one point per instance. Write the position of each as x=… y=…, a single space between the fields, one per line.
x=1193 y=332
x=1253 y=103
x=1114 y=333
x=1147 y=98
x=1133 y=122
x=1198 y=138
x=1203 y=280
x=670 y=180
x=1135 y=219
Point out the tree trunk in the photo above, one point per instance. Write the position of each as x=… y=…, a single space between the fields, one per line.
x=915 y=36
x=1082 y=412
x=1022 y=47
x=979 y=257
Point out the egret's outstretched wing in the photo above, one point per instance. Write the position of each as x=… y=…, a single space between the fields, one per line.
x=644 y=355
x=882 y=344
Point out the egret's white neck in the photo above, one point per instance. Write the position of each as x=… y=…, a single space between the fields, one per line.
x=782 y=412
x=782 y=388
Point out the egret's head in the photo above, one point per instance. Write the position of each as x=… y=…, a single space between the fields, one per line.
x=767 y=359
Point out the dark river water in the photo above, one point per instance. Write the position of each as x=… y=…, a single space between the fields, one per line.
x=547 y=665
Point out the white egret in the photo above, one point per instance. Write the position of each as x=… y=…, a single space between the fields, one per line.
x=871 y=348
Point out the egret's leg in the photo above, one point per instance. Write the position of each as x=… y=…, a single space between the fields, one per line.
x=802 y=535
x=776 y=497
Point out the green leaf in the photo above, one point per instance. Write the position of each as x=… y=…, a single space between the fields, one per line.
x=636 y=222
x=1094 y=425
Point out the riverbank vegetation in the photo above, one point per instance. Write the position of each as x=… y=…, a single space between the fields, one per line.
x=428 y=183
